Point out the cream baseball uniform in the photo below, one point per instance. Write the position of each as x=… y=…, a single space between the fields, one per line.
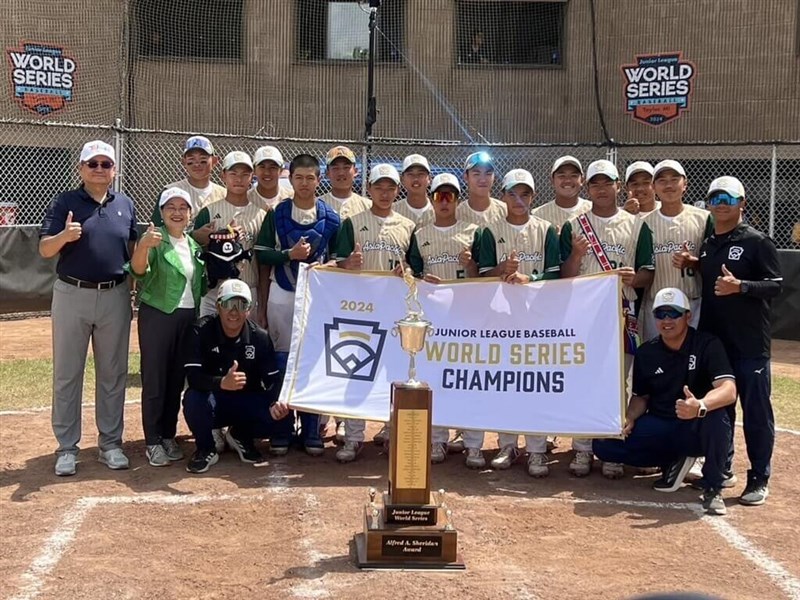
x=497 y=210
x=420 y=216
x=267 y=203
x=557 y=215
x=348 y=207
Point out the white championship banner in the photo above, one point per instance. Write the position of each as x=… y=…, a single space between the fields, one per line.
x=538 y=358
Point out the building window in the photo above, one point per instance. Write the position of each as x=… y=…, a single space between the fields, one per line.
x=194 y=29
x=339 y=30
x=513 y=32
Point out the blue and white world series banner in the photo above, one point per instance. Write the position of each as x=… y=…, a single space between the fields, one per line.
x=539 y=358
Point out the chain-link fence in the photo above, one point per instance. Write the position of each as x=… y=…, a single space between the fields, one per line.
x=40 y=160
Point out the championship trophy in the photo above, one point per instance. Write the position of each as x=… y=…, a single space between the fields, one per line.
x=411 y=528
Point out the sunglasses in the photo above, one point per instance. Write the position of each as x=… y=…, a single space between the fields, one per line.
x=723 y=198
x=239 y=304
x=444 y=196
x=93 y=164
x=667 y=313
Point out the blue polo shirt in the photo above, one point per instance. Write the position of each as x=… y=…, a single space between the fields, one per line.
x=107 y=228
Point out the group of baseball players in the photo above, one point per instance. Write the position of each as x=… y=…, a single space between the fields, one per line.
x=696 y=292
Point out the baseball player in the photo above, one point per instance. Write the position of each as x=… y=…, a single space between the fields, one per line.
x=605 y=239
x=678 y=232
x=566 y=175
x=377 y=239
x=480 y=208
x=416 y=177
x=641 y=199
x=444 y=250
x=268 y=164
x=521 y=248
x=198 y=161
x=341 y=165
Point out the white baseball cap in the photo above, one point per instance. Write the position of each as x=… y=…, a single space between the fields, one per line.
x=669 y=164
x=268 y=153
x=97 y=148
x=415 y=160
x=198 y=142
x=602 y=167
x=671 y=297
x=237 y=157
x=566 y=160
x=384 y=171
x=445 y=179
x=516 y=177
x=727 y=184
x=174 y=192
x=640 y=166
x=479 y=159
x=234 y=288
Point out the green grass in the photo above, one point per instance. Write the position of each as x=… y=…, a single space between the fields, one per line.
x=27 y=384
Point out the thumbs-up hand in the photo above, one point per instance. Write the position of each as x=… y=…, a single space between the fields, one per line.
x=688 y=407
x=727 y=284
x=355 y=261
x=683 y=259
x=301 y=250
x=465 y=257
x=580 y=245
x=72 y=229
x=151 y=238
x=511 y=264
x=233 y=380
x=631 y=204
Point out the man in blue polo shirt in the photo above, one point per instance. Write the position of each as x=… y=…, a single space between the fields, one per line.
x=92 y=230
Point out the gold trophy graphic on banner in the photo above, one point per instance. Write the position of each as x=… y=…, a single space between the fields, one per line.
x=411 y=528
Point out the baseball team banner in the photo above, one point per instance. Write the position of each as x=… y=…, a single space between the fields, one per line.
x=539 y=358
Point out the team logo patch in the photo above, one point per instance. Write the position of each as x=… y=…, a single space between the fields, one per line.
x=249 y=352
x=42 y=76
x=735 y=252
x=692 y=362
x=353 y=348
x=658 y=87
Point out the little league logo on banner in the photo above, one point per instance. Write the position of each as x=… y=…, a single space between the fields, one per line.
x=42 y=77
x=539 y=358
x=658 y=87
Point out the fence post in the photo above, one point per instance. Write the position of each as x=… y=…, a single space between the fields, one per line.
x=364 y=166
x=612 y=155
x=118 y=149
x=773 y=185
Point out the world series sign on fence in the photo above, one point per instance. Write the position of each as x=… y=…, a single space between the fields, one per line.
x=538 y=358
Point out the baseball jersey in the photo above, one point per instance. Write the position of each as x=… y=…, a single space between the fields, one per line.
x=626 y=240
x=349 y=206
x=642 y=214
x=384 y=240
x=200 y=198
x=692 y=225
x=267 y=203
x=535 y=242
x=497 y=211
x=249 y=217
x=434 y=250
x=421 y=216
x=553 y=213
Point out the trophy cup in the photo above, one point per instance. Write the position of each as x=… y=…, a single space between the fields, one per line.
x=412 y=529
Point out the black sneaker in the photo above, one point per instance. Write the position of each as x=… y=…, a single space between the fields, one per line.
x=672 y=477
x=713 y=503
x=201 y=461
x=728 y=482
x=755 y=494
x=246 y=449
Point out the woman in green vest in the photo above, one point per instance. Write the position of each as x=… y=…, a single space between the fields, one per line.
x=172 y=280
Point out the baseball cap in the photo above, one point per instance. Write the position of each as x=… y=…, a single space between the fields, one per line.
x=566 y=160
x=415 y=160
x=237 y=157
x=268 y=153
x=174 y=192
x=97 y=148
x=602 y=167
x=669 y=164
x=384 y=171
x=640 y=166
x=198 y=142
x=727 y=184
x=340 y=152
x=671 y=297
x=516 y=177
x=234 y=288
x=445 y=179
x=478 y=159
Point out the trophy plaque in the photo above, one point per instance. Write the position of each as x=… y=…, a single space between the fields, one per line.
x=410 y=528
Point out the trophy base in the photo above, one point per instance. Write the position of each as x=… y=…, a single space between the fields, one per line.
x=363 y=560
x=412 y=384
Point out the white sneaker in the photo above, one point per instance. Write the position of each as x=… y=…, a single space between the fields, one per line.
x=696 y=472
x=340 y=433
x=475 y=458
x=349 y=451
x=65 y=464
x=219 y=440
x=114 y=459
x=537 y=464
x=581 y=465
x=172 y=449
x=438 y=452
x=505 y=458
x=157 y=456
x=612 y=470
x=382 y=436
